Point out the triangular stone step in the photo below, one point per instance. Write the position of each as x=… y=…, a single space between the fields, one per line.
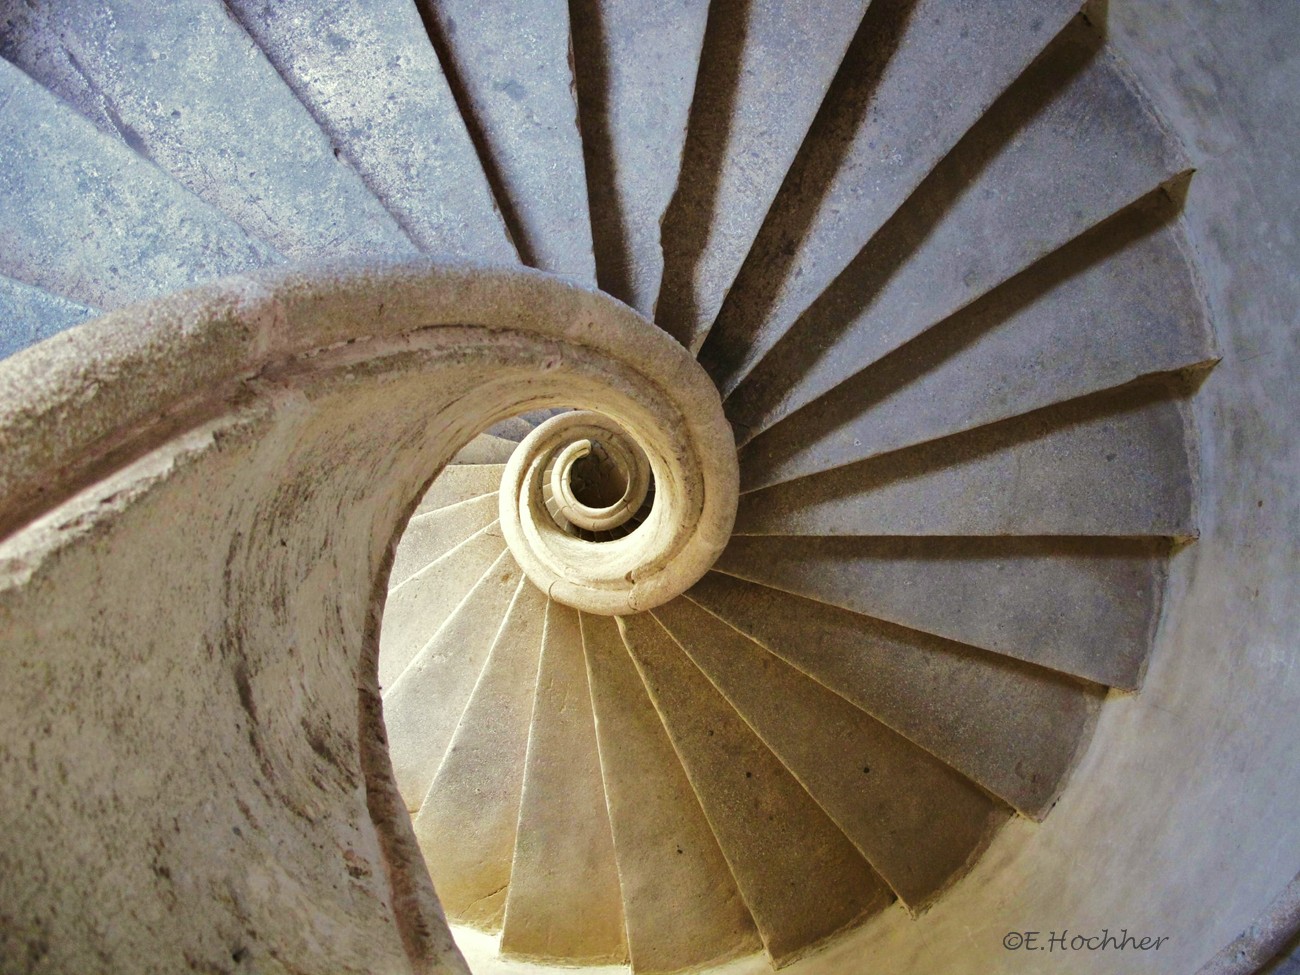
x=1012 y=727
x=430 y=536
x=29 y=314
x=682 y=906
x=917 y=822
x=460 y=482
x=512 y=428
x=801 y=878
x=469 y=817
x=486 y=449
x=564 y=903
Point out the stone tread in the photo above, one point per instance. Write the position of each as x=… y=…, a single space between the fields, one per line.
x=1081 y=606
x=428 y=537
x=1068 y=145
x=635 y=63
x=467 y=822
x=86 y=217
x=439 y=195
x=510 y=67
x=764 y=70
x=681 y=902
x=564 y=902
x=460 y=482
x=1116 y=305
x=1113 y=464
x=445 y=669
x=915 y=79
x=29 y=314
x=159 y=79
x=1009 y=726
x=917 y=821
x=801 y=878
x=486 y=449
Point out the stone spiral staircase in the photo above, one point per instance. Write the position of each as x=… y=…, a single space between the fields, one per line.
x=728 y=639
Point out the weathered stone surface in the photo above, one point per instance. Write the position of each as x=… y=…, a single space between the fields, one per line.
x=635 y=65
x=29 y=314
x=87 y=218
x=159 y=79
x=1112 y=464
x=1083 y=606
x=764 y=70
x=564 y=902
x=430 y=536
x=1110 y=308
x=467 y=822
x=1011 y=727
x=460 y=482
x=918 y=74
x=918 y=823
x=800 y=876
x=682 y=906
x=485 y=449
x=1068 y=145
x=366 y=72
x=510 y=68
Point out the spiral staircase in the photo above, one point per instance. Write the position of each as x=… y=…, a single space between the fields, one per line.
x=708 y=486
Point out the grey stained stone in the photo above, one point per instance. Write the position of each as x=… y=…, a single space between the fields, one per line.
x=29 y=314
x=467 y=822
x=1117 y=304
x=682 y=906
x=917 y=76
x=84 y=216
x=801 y=878
x=1082 y=606
x=564 y=902
x=160 y=78
x=1068 y=145
x=635 y=63
x=371 y=80
x=1112 y=464
x=509 y=65
x=430 y=536
x=1011 y=727
x=764 y=70
x=918 y=822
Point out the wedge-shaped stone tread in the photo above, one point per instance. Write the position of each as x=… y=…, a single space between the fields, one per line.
x=160 y=79
x=460 y=482
x=764 y=70
x=564 y=903
x=801 y=878
x=916 y=77
x=635 y=63
x=1114 y=306
x=1082 y=606
x=1011 y=727
x=1067 y=146
x=486 y=449
x=917 y=821
x=509 y=65
x=467 y=822
x=28 y=315
x=86 y=217
x=444 y=670
x=682 y=906
x=430 y=536
x=401 y=128
x=1114 y=464
x=415 y=609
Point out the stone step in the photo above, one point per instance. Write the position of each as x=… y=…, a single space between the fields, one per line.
x=486 y=449
x=509 y=67
x=430 y=536
x=1011 y=727
x=415 y=609
x=1114 y=306
x=917 y=821
x=512 y=428
x=682 y=906
x=635 y=63
x=371 y=80
x=460 y=482
x=29 y=314
x=1068 y=145
x=1081 y=606
x=1116 y=463
x=445 y=669
x=764 y=70
x=916 y=78
x=564 y=903
x=467 y=821
x=160 y=80
x=801 y=878
x=90 y=219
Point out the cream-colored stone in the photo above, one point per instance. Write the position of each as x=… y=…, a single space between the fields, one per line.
x=428 y=537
